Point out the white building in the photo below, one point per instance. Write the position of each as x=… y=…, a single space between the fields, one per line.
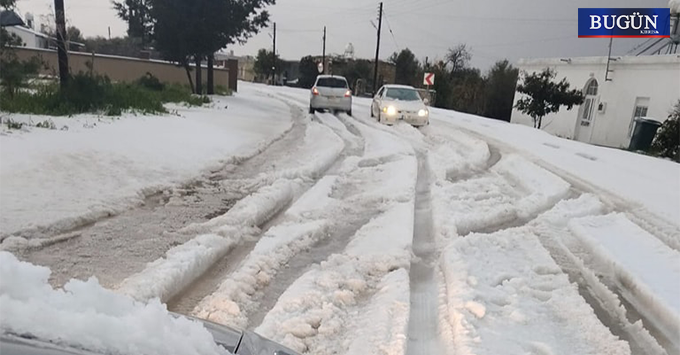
x=644 y=86
x=30 y=37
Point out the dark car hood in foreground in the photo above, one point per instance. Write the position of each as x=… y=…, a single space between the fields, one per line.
x=235 y=341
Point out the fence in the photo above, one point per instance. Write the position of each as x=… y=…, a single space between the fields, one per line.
x=126 y=69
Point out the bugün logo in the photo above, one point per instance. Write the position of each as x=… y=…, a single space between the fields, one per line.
x=624 y=23
x=635 y=21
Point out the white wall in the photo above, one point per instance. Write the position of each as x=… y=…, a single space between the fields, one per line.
x=655 y=77
x=27 y=37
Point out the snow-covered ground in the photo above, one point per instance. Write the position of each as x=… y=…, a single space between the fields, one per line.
x=344 y=236
x=636 y=179
x=60 y=179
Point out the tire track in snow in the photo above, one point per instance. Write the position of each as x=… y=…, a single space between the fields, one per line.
x=262 y=295
x=308 y=160
x=145 y=233
x=189 y=299
x=423 y=330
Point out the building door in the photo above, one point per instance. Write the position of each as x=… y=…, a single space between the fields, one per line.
x=586 y=114
x=640 y=110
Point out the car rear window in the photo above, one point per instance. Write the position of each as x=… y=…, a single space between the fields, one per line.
x=331 y=83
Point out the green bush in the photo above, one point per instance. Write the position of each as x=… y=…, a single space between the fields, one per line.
x=95 y=93
x=667 y=141
x=222 y=90
x=151 y=82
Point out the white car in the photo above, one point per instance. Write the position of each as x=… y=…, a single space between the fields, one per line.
x=395 y=103
x=330 y=93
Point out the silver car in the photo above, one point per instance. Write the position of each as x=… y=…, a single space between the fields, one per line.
x=235 y=341
x=330 y=93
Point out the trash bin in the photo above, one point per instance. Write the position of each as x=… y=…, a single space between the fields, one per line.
x=643 y=133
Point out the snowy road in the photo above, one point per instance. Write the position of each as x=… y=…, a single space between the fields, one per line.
x=342 y=236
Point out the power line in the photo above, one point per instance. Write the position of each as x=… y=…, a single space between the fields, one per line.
x=389 y=27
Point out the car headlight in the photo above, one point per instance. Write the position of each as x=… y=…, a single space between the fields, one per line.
x=390 y=110
x=422 y=113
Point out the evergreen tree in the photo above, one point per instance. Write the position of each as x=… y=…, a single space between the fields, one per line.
x=544 y=96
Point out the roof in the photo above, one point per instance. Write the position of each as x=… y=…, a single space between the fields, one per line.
x=10 y=18
x=31 y=31
x=664 y=59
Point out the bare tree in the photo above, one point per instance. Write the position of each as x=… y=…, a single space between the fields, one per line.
x=458 y=57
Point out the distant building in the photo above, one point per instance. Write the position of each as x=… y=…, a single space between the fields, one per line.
x=643 y=86
x=30 y=37
x=246 y=65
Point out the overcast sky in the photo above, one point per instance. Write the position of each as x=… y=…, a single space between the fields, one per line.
x=494 y=29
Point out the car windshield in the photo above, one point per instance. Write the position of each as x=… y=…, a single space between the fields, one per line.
x=402 y=94
x=332 y=83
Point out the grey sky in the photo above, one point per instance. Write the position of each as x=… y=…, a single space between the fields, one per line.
x=494 y=29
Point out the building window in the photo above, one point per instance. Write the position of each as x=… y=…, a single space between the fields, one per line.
x=591 y=89
x=640 y=110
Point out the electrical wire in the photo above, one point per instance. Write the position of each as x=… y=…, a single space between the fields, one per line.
x=389 y=27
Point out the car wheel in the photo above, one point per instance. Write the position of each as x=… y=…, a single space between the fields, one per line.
x=311 y=110
x=349 y=113
x=372 y=115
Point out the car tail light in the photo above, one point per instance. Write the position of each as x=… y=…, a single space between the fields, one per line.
x=348 y=93
x=315 y=91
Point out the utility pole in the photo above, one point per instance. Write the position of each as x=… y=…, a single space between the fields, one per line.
x=61 y=43
x=377 y=51
x=323 y=57
x=274 y=55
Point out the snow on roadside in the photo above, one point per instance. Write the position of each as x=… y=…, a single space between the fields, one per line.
x=647 y=181
x=167 y=276
x=84 y=315
x=647 y=270
x=505 y=294
x=68 y=178
x=545 y=188
x=552 y=229
x=237 y=296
